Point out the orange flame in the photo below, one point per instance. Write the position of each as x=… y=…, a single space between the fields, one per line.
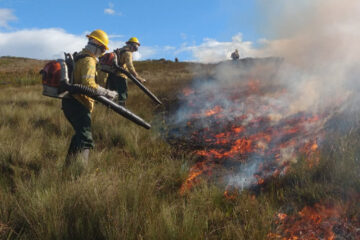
x=254 y=132
x=196 y=171
x=215 y=110
x=315 y=222
x=187 y=92
x=230 y=195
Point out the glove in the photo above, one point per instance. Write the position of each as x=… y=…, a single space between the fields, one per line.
x=142 y=80
x=112 y=95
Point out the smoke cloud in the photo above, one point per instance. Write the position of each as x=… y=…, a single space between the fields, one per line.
x=319 y=41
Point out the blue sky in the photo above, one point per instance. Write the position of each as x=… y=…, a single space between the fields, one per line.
x=165 y=28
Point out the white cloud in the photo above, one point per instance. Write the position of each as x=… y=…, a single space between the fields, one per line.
x=112 y=36
x=144 y=53
x=211 y=50
x=40 y=43
x=51 y=43
x=6 y=16
x=147 y=52
x=169 y=48
x=111 y=11
x=115 y=44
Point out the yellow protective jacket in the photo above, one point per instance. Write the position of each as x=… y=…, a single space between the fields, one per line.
x=85 y=74
x=125 y=57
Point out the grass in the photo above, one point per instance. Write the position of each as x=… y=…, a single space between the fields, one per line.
x=19 y=71
x=130 y=190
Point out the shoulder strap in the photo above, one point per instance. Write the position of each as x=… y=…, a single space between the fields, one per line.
x=120 y=51
x=70 y=63
x=78 y=56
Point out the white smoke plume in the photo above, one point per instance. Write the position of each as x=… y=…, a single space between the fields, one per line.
x=319 y=42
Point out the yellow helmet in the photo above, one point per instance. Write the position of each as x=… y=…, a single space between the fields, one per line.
x=100 y=36
x=133 y=40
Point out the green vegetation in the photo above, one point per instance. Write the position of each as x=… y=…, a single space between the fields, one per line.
x=130 y=190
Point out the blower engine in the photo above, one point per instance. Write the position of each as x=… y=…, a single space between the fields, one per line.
x=53 y=74
x=56 y=75
x=108 y=63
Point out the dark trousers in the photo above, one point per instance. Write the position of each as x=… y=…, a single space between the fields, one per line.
x=118 y=84
x=80 y=119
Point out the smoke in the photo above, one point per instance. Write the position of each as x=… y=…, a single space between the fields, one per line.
x=314 y=72
x=319 y=41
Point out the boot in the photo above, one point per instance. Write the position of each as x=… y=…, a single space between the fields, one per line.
x=84 y=156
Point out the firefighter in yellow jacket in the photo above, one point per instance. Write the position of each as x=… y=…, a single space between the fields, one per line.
x=77 y=107
x=118 y=81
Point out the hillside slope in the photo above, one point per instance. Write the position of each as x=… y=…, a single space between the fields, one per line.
x=131 y=189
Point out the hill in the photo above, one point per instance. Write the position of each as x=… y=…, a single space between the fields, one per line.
x=134 y=185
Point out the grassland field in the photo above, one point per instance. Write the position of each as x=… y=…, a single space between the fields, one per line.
x=130 y=190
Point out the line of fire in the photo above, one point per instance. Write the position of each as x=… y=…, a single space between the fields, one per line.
x=245 y=128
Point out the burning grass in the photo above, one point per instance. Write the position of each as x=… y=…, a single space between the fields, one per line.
x=249 y=138
x=325 y=221
x=252 y=137
x=131 y=188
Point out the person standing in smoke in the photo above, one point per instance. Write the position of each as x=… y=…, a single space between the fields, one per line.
x=235 y=55
x=118 y=81
x=77 y=108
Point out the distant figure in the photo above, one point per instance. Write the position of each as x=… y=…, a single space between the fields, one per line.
x=235 y=55
x=176 y=59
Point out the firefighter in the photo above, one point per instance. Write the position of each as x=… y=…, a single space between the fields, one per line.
x=235 y=55
x=77 y=107
x=118 y=81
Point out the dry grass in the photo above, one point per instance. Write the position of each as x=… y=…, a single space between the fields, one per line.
x=130 y=190
x=19 y=71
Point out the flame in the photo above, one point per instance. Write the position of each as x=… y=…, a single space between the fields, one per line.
x=215 y=110
x=281 y=216
x=187 y=92
x=195 y=171
x=230 y=195
x=316 y=222
x=234 y=144
x=259 y=132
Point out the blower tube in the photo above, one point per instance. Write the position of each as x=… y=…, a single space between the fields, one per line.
x=92 y=93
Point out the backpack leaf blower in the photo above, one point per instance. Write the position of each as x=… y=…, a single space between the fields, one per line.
x=57 y=82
